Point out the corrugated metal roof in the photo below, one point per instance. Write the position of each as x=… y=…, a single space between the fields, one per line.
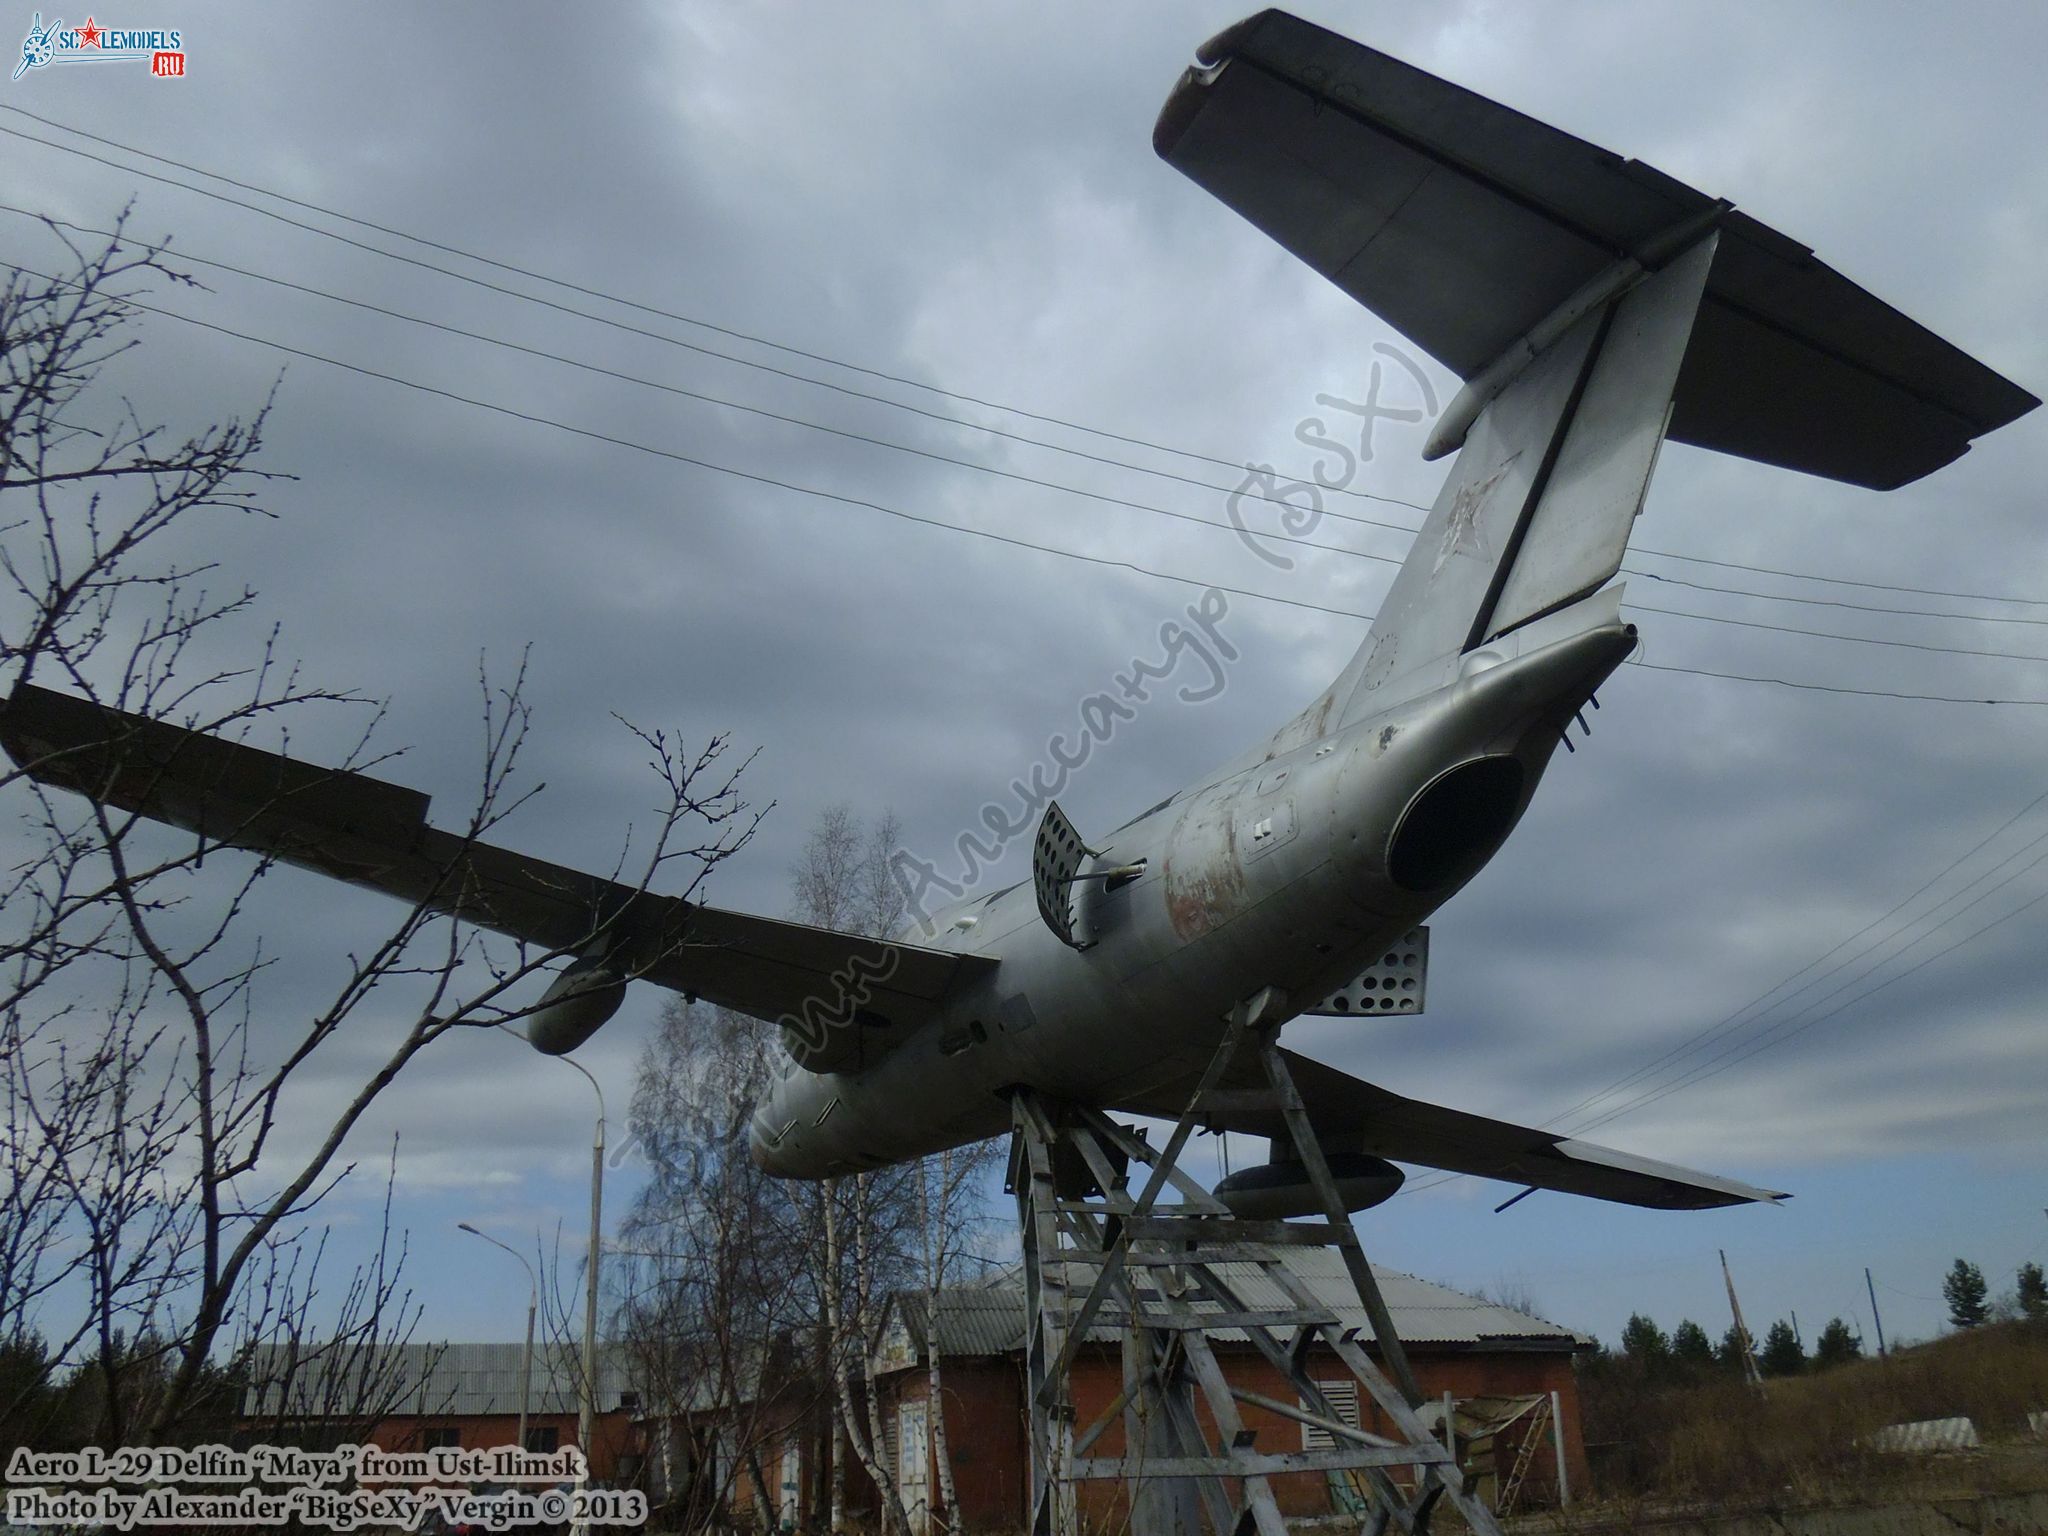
x=433 y=1379
x=988 y=1319
x=973 y=1319
x=1956 y=1434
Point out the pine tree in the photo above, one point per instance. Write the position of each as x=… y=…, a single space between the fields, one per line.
x=1781 y=1354
x=2033 y=1291
x=1645 y=1344
x=1734 y=1345
x=1836 y=1345
x=1690 y=1346
x=1965 y=1291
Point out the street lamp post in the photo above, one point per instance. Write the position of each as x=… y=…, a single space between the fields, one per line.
x=586 y=1408
x=532 y=1304
x=586 y=1416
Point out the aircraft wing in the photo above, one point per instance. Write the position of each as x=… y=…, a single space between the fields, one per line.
x=374 y=834
x=1464 y=224
x=1353 y=1115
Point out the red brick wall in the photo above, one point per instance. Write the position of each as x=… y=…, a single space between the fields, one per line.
x=989 y=1434
x=985 y=1432
x=615 y=1434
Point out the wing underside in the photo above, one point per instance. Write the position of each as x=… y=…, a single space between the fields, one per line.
x=1464 y=223
x=847 y=997
x=1350 y=1114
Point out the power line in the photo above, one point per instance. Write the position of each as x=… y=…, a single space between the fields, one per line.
x=971 y=464
x=896 y=512
x=1868 y=693
x=794 y=351
x=1785 y=1029
x=1823 y=634
x=724 y=469
x=583 y=314
x=1050 y=549
x=1827 y=602
x=1844 y=581
x=1651 y=1098
x=718 y=400
x=1780 y=1034
x=1721 y=1027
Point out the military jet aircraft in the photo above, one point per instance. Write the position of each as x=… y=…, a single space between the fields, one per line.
x=1594 y=307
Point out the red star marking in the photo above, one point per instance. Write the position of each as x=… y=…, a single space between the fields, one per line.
x=89 y=34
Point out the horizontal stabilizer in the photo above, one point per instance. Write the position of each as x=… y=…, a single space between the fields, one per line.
x=1465 y=224
x=843 y=999
x=1351 y=1115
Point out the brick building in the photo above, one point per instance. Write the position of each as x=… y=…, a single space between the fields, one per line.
x=411 y=1397
x=1500 y=1366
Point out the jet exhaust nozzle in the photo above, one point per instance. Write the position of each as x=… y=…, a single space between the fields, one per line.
x=1275 y=1191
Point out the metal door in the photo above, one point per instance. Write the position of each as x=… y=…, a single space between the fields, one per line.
x=791 y=1497
x=913 y=1462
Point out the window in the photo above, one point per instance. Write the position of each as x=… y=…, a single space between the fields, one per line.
x=1343 y=1396
x=435 y=1436
x=542 y=1439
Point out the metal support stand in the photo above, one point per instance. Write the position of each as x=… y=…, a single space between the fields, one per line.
x=1098 y=1256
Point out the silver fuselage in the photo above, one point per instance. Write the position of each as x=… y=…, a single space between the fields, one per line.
x=1289 y=869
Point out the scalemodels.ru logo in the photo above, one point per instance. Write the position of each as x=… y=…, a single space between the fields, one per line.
x=162 y=49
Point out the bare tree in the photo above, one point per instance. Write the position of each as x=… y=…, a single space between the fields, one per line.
x=934 y=1211
x=842 y=880
x=715 y=1281
x=318 y=1372
x=952 y=1211
x=912 y=1223
x=152 y=1203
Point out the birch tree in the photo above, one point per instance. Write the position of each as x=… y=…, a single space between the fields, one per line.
x=166 y=1147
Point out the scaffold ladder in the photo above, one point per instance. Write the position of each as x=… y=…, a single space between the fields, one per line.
x=1097 y=1255
x=1525 y=1458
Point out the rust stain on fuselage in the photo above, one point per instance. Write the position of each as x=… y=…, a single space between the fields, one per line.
x=1204 y=884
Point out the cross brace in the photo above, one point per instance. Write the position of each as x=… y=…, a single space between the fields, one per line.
x=1099 y=1256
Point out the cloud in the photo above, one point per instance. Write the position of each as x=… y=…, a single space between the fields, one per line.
x=970 y=199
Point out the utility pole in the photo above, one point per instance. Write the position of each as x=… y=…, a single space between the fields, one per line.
x=586 y=1414
x=532 y=1305
x=1750 y=1372
x=1871 y=1286
x=586 y=1408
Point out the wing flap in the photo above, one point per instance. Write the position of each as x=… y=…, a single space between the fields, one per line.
x=1354 y=1115
x=375 y=834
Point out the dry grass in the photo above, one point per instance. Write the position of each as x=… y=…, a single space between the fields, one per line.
x=1807 y=1437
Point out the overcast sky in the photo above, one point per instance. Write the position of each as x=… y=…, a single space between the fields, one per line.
x=968 y=197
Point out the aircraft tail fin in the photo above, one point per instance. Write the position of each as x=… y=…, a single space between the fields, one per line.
x=1593 y=304
x=1537 y=510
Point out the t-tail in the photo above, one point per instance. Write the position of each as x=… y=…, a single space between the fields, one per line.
x=1594 y=306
